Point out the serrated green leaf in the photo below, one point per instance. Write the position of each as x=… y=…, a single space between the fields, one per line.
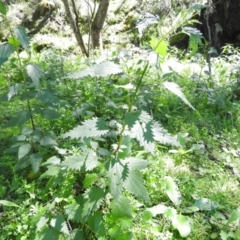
x=85 y=161
x=126 y=147
x=93 y=200
x=51 y=172
x=47 y=141
x=13 y=90
x=135 y=185
x=35 y=160
x=24 y=150
x=114 y=232
x=35 y=72
x=103 y=69
x=95 y=127
x=96 y=224
x=51 y=114
x=8 y=203
x=172 y=191
x=73 y=212
x=159 y=46
x=121 y=207
x=136 y=163
x=174 y=88
x=5 y=51
x=49 y=233
x=59 y=224
x=89 y=179
x=3 y=9
x=131 y=118
x=117 y=174
x=76 y=234
x=22 y=36
x=41 y=223
x=14 y=42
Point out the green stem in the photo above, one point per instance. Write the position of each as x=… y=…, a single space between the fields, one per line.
x=139 y=85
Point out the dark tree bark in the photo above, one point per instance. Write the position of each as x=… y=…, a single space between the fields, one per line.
x=74 y=25
x=97 y=24
x=220 y=23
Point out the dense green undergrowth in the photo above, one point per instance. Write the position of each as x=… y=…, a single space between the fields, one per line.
x=105 y=150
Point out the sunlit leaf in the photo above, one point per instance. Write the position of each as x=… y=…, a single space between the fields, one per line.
x=85 y=161
x=174 y=88
x=182 y=224
x=95 y=127
x=8 y=203
x=35 y=72
x=14 y=42
x=103 y=69
x=59 y=224
x=159 y=46
x=172 y=191
x=42 y=223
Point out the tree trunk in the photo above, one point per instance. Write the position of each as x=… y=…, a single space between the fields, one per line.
x=74 y=25
x=220 y=23
x=97 y=24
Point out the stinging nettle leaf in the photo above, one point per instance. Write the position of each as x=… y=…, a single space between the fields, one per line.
x=5 y=51
x=95 y=127
x=117 y=173
x=135 y=185
x=35 y=160
x=85 y=161
x=59 y=224
x=22 y=37
x=174 y=88
x=24 y=150
x=35 y=72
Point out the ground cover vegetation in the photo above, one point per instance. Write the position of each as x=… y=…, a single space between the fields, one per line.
x=142 y=146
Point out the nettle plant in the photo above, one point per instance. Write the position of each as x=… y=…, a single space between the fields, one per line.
x=97 y=178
